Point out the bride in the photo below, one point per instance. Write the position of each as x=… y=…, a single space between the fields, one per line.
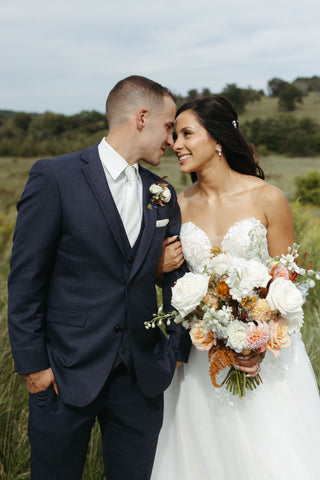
x=274 y=432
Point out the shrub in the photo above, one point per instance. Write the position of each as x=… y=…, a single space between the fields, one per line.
x=308 y=188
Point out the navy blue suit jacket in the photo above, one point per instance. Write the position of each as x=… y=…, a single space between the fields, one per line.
x=73 y=282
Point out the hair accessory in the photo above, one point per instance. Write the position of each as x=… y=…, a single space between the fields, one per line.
x=219 y=150
x=235 y=123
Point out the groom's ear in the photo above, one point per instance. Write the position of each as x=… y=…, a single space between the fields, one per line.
x=141 y=118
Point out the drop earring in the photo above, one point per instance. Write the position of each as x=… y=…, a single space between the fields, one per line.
x=219 y=150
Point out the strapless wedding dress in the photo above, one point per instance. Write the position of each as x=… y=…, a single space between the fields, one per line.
x=271 y=434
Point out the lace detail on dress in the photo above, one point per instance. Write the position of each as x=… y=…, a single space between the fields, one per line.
x=196 y=247
x=246 y=239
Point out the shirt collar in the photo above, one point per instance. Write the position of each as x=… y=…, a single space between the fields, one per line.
x=112 y=160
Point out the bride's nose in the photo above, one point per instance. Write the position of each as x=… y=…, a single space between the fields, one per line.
x=176 y=144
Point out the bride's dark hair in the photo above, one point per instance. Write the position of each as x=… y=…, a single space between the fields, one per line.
x=217 y=115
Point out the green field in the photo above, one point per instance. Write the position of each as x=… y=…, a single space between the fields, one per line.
x=14 y=449
x=268 y=107
x=279 y=171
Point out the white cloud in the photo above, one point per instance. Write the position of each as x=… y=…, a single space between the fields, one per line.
x=66 y=55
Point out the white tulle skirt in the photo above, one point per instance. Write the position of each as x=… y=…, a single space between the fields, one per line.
x=271 y=434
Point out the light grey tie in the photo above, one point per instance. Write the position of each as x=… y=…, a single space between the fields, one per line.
x=132 y=206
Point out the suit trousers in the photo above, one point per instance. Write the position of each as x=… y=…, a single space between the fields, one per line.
x=130 y=424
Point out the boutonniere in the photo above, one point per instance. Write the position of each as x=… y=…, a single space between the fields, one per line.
x=160 y=193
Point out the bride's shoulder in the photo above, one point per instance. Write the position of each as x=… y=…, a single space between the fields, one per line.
x=269 y=193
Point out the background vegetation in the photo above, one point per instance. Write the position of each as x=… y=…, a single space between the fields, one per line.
x=24 y=137
x=286 y=120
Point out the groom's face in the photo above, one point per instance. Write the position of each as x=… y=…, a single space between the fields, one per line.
x=158 y=131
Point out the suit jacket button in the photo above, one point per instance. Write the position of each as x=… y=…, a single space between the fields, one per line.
x=123 y=350
x=117 y=329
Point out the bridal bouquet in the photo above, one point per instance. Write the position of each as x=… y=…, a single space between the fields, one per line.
x=239 y=305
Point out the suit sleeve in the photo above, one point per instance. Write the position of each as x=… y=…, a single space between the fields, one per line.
x=179 y=336
x=34 y=247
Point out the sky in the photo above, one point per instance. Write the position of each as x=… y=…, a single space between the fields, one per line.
x=65 y=56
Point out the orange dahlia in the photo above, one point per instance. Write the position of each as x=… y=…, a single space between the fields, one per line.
x=261 y=311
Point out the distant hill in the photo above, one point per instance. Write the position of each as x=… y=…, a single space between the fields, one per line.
x=268 y=127
x=268 y=107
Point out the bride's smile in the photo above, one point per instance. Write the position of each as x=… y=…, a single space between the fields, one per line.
x=193 y=145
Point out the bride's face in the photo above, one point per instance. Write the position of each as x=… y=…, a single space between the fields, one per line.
x=193 y=145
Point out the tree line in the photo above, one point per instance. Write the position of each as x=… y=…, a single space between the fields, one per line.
x=32 y=134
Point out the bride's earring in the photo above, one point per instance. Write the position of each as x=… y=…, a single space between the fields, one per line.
x=219 y=150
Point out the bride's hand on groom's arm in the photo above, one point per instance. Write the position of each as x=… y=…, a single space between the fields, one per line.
x=248 y=363
x=39 y=381
x=171 y=256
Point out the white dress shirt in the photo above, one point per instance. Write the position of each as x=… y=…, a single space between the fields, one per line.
x=114 y=166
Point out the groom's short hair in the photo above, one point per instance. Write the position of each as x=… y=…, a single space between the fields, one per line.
x=132 y=93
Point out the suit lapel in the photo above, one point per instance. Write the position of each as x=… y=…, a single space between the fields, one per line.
x=94 y=173
x=150 y=219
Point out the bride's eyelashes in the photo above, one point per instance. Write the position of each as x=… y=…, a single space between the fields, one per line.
x=185 y=133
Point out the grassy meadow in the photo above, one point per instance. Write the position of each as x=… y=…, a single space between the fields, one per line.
x=14 y=448
x=268 y=107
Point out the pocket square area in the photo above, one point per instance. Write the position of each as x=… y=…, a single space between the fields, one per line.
x=162 y=223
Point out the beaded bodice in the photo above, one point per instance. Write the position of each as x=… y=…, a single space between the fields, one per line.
x=246 y=238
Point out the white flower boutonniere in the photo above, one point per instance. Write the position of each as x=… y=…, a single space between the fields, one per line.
x=160 y=193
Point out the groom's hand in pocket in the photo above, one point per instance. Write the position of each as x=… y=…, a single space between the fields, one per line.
x=40 y=381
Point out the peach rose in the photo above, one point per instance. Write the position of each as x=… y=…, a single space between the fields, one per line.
x=279 y=337
x=278 y=270
x=211 y=301
x=201 y=340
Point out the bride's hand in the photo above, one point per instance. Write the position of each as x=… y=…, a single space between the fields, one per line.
x=248 y=363
x=171 y=256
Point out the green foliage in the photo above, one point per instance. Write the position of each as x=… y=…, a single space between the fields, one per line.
x=236 y=96
x=239 y=97
x=308 y=188
x=49 y=134
x=22 y=120
x=289 y=96
x=274 y=86
x=307 y=84
x=284 y=134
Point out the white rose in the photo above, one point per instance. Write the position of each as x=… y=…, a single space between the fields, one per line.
x=219 y=264
x=258 y=274
x=188 y=292
x=295 y=321
x=166 y=195
x=244 y=276
x=284 y=296
x=155 y=189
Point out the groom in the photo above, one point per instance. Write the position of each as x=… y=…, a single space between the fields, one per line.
x=87 y=243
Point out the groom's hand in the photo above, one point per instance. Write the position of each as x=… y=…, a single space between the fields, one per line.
x=39 y=381
x=171 y=256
